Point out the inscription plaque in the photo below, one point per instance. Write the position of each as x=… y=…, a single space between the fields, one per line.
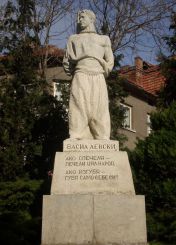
x=91 y=145
x=91 y=172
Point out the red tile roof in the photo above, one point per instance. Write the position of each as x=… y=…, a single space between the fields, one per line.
x=51 y=49
x=147 y=77
x=55 y=56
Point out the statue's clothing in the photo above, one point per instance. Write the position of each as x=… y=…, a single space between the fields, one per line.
x=88 y=58
x=88 y=107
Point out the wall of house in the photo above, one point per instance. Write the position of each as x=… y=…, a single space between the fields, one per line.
x=139 y=111
x=56 y=73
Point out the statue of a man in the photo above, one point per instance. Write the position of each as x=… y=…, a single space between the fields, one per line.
x=89 y=59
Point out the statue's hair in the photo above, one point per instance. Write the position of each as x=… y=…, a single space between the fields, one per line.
x=90 y=13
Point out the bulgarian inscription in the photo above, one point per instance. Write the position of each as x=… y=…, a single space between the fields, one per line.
x=91 y=172
x=90 y=145
x=94 y=167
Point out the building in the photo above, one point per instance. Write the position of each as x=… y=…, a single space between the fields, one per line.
x=142 y=82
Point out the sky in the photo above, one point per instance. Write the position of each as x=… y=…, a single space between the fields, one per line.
x=147 y=51
x=146 y=48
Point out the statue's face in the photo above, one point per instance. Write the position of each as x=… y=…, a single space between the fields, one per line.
x=84 y=21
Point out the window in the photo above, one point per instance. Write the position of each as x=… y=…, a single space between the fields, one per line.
x=127 y=123
x=148 y=124
x=56 y=91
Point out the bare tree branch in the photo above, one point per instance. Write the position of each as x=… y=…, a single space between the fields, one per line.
x=126 y=21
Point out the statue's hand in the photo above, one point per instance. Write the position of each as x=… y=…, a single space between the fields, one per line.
x=103 y=63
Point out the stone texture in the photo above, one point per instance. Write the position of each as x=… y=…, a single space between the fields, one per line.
x=92 y=172
x=89 y=58
x=90 y=145
x=93 y=200
x=93 y=219
x=67 y=219
x=119 y=219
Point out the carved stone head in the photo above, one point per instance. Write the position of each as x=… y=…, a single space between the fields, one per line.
x=86 y=21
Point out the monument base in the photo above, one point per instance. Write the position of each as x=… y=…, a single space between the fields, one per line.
x=92 y=199
x=93 y=219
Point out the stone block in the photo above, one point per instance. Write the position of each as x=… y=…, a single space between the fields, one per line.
x=67 y=219
x=119 y=219
x=92 y=198
x=92 y=172
x=90 y=145
x=93 y=220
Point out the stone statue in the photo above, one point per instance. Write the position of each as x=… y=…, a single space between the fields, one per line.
x=89 y=59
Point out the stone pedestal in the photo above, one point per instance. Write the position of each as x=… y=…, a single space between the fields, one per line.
x=92 y=198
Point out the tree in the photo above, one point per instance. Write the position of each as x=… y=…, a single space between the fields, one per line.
x=154 y=165
x=132 y=24
x=40 y=17
x=168 y=94
x=28 y=125
x=46 y=14
x=117 y=115
x=154 y=160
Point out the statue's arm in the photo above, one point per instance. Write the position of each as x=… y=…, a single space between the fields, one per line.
x=108 y=57
x=108 y=60
x=66 y=64
x=67 y=60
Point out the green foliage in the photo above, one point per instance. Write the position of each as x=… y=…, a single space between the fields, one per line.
x=18 y=221
x=24 y=104
x=16 y=23
x=116 y=95
x=18 y=196
x=27 y=111
x=171 y=41
x=154 y=166
x=165 y=119
x=154 y=161
x=32 y=127
x=168 y=94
